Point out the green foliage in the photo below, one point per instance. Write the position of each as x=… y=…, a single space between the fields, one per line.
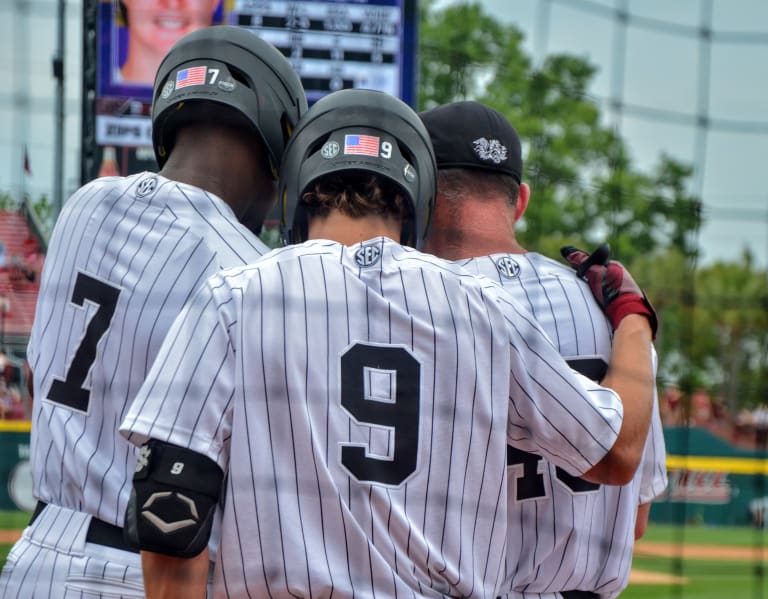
x=271 y=237
x=584 y=187
x=43 y=209
x=467 y=42
x=714 y=323
x=732 y=302
x=7 y=202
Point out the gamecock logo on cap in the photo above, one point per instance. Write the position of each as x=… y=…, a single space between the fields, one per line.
x=490 y=149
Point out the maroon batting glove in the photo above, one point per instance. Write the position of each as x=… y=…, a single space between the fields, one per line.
x=611 y=284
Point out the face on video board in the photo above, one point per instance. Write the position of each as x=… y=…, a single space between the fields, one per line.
x=133 y=37
x=136 y=34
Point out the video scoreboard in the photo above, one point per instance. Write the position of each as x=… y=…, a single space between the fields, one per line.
x=332 y=45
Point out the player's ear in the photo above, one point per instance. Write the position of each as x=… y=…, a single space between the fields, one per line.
x=523 y=195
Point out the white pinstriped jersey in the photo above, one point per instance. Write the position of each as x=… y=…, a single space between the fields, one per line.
x=124 y=257
x=361 y=399
x=567 y=534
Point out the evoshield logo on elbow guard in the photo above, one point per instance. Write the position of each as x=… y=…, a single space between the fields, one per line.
x=175 y=493
x=161 y=524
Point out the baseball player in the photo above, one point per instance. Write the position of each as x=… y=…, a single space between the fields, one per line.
x=124 y=257
x=357 y=395
x=569 y=537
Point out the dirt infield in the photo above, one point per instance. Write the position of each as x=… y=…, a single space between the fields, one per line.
x=687 y=551
x=9 y=536
x=646 y=577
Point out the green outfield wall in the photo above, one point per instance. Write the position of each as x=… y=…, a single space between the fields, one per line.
x=15 y=471
x=711 y=481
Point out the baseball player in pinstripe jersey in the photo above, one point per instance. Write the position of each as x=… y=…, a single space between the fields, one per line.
x=568 y=535
x=357 y=395
x=124 y=257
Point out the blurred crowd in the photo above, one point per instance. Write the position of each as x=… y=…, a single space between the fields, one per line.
x=747 y=427
x=24 y=266
x=13 y=403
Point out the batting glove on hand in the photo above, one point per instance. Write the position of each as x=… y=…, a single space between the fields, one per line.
x=611 y=284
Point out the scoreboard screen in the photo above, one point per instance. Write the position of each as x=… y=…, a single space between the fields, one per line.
x=332 y=45
x=339 y=44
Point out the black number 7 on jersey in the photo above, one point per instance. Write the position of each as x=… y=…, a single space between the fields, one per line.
x=69 y=391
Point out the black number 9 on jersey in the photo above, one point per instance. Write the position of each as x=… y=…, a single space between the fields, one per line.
x=380 y=388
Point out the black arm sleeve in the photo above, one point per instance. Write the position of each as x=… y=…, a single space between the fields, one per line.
x=174 y=496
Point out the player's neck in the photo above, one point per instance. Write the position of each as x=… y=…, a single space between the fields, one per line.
x=466 y=230
x=217 y=161
x=460 y=244
x=350 y=230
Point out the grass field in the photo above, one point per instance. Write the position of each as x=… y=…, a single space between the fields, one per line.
x=724 y=576
x=11 y=521
x=736 y=570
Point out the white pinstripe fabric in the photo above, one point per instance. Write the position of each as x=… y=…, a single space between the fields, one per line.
x=258 y=361
x=53 y=559
x=564 y=540
x=149 y=242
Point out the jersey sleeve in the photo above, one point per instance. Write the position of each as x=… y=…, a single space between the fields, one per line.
x=554 y=411
x=186 y=397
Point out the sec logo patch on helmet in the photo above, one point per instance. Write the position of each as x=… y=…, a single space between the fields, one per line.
x=330 y=150
x=227 y=85
x=507 y=267
x=167 y=89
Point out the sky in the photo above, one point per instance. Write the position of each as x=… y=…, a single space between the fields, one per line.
x=659 y=78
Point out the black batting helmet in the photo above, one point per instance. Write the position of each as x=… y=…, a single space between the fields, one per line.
x=359 y=130
x=248 y=79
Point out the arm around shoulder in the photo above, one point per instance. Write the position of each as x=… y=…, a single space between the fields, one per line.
x=630 y=375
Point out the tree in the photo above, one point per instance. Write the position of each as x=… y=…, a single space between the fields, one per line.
x=732 y=307
x=584 y=187
x=457 y=48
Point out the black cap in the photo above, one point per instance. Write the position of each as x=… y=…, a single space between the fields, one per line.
x=472 y=135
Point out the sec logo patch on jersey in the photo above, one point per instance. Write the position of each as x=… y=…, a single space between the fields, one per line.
x=146 y=187
x=507 y=267
x=367 y=255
